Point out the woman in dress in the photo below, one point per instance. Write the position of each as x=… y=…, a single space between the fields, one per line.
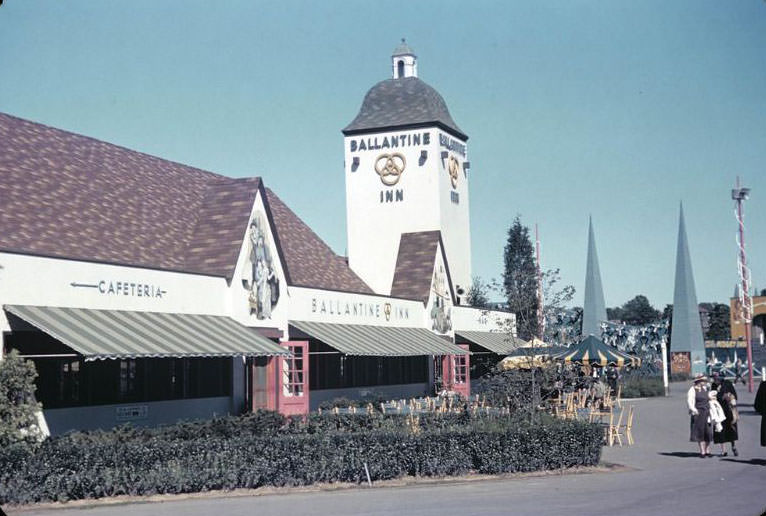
x=728 y=432
x=699 y=407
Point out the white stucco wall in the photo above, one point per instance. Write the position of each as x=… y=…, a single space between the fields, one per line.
x=40 y=281
x=468 y=318
x=374 y=227
x=344 y=308
x=454 y=215
x=425 y=203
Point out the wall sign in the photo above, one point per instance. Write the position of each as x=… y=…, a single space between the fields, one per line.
x=132 y=413
x=369 y=310
x=123 y=288
x=392 y=141
x=453 y=169
x=452 y=144
x=390 y=167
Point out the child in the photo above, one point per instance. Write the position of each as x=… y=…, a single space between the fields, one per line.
x=717 y=417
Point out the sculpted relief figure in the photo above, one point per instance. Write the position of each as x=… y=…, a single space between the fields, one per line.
x=263 y=284
x=441 y=317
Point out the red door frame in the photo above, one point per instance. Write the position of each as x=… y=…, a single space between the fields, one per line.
x=460 y=374
x=292 y=375
x=455 y=373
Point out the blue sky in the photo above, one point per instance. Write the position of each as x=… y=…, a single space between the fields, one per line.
x=616 y=109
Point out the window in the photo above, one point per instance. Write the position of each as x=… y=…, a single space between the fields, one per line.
x=292 y=372
x=400 y=69
x=69 y=381
x=72 y=382
x=335 y=371
x=461 y=370
x=128 y=384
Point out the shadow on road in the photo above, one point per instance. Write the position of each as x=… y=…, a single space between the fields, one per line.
x=681 y=454
x=754 y=462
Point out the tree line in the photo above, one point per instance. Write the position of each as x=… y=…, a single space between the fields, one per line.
x=521 y=282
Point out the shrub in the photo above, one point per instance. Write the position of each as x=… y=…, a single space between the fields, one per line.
x=642 y=387
x=18 y=419
x=267 y=449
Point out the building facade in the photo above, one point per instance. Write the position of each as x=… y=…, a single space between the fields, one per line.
x=146 y=291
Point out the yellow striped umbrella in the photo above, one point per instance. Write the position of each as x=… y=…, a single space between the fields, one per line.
x=593 y=351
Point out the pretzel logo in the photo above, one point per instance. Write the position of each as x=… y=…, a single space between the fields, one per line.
x=453 y=167
x=390 y=167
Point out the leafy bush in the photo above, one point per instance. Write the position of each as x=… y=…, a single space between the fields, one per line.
x=18 y=420
x=642 y=387
x=523 y=390
x=268 y=449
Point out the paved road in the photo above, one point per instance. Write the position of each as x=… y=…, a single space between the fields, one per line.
x=663 y=474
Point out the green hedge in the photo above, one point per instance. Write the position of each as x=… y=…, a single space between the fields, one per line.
x=642 y=387
x=262 y=449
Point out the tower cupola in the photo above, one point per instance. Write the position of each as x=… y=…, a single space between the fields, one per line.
x=404 y=61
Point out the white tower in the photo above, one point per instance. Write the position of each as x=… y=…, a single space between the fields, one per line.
x=404 y=62
x=406 y=168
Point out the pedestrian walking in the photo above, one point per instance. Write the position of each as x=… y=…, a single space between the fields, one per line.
x=723 y=385
x=728 y=432
x=760 y=407
x=738 y=368
x=698 y=403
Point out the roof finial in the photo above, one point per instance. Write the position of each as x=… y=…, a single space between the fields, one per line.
x=404 y=61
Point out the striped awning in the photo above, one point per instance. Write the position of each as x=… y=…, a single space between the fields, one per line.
x=593 y=351
x=498 y=342
x=381 y=341
x=101 y=334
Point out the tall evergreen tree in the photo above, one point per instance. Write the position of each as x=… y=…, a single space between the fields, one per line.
x=520 y=279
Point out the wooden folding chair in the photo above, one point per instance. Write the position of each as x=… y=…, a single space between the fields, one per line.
x=570 y=411
x=628 y=427
x=618 y=396
x=615 y=429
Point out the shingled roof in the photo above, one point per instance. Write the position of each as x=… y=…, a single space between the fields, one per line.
x=402 y=103
x=70 y=196
x=415 y=265
x=307 y=260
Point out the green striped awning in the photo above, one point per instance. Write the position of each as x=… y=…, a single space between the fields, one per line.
x=101 y=334
x=496 y=342
x=381 y=341
x=594 y=351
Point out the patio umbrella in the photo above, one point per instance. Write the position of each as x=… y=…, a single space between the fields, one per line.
x=593 y=351
x=523 y=362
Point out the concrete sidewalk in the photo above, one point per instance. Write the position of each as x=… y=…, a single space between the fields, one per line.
x=664 y=474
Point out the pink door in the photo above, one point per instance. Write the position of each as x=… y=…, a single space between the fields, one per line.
x=293 y=379
x=455 y=373
x=461 y=380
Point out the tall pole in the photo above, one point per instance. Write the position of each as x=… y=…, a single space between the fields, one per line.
x=740 y=195
x=540 y=300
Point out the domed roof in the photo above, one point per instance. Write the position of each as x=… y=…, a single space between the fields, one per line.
x=400 y=103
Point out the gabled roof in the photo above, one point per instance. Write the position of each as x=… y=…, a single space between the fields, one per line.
x=307 y=260
x=70 y=196
x=415 y=265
